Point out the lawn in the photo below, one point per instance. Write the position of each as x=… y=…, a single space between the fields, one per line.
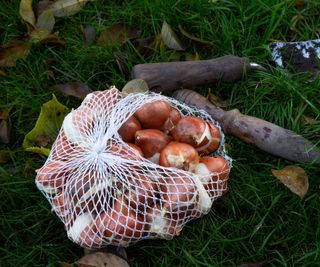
x=259 y=220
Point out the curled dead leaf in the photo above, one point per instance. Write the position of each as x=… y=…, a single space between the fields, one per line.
x=76 y=89
x=13 y=51
x=170 y=39
x=295 y=178
x=117 y=33
x=194 y=39
x=4 y=126
x=64 y=8
x=101 y=259
x=43 y=27
x=147 y=45
x=26 y=12
x=53 y=39
x=135 y=86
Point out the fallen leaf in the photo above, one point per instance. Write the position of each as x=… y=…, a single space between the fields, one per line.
x=64 y=8
x=76 y=89
x=41 y=6
x=170 y=39
x=4 y=156
x=43 y=27
x=293 y=177
x=147 y=45
x=218 y=101
x=26 y=12
x=192 y=57
x=53 y=39
x=117 y=34
x=4 y=127
x=89 y=35
x=135 y=86
x=48 y=124
x=99 y=259
x=307 y=120
x=194 y=39
x=12 y=51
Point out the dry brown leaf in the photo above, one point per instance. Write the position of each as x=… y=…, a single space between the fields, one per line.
x=43 y=27
x=4 y=156
x=26 y=12
x=293 y=177
x=41 y=6
x=135 y=86
x=147 y=45
x=4 y=126
x=99 y=259
x=300 y=3
x=64 y=8
x=53 y=39
x=192 y=57
x=194 y=39
x=307 y=120
x=170 y=39
x=12 y=51
x=76 y=89
x=65 y=264
x=89 y=35
x=117 y=34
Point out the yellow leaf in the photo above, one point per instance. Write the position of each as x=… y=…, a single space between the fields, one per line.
x=307 y=120
x=170 y=39
x=47 y=126
x=26 y=12
x=102 y=259
x=293 y=177
x=135 y=86
x=4 y=156
x=64 y=8
x=44 y=26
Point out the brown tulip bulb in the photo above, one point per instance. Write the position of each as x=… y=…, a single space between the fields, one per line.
x=214 y=172
x=128 y=129
x=170 y=123
x=179 y=155
x=51 y=177
x=161 y=224
x=214 y=144
x=152 y=141
x=178 y=192
x=191 y=130
x=120 y=222
x=153 y=115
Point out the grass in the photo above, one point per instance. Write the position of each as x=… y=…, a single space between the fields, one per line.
x=259 y=220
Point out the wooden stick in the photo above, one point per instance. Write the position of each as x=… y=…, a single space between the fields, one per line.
x=260 y=133
x=187 y=74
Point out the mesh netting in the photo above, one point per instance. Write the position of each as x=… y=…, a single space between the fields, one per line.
x=105 y=192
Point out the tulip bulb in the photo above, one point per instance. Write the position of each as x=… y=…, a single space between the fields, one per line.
x=153 y=115
x=170 y=123
x=161 y=224
x=51 y=177
x=120 y=222
x=128 y=129
x=178 y=155
x=152 y=142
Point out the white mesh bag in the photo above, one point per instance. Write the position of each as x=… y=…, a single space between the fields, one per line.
x=105 y=192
